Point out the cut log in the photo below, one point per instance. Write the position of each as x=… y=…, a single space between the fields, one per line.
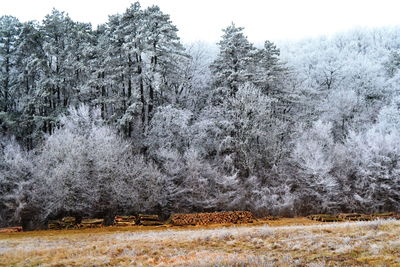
x=148 y=217
x=125 y=220
x=70 y=220
x=235 y=217
x=341 y=217
x=92 y=221
x=325 y=218
x=330 y=219
x=386 y=215
x=64 y=223
x=349 y=215
x=13 y=229
x=55 y=225
x=124 y=223
x=150 y=223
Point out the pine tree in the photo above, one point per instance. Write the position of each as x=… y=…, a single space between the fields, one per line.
x=30 y=65
x=268 y=68
x=10 y=30
x=164 y=49
x=232 y=68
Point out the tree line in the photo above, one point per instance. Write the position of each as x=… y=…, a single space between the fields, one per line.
x=127 y=119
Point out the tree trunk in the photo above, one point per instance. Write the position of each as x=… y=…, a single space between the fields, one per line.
x=151 y=103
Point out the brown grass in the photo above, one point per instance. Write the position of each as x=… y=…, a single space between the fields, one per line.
x=284 y=242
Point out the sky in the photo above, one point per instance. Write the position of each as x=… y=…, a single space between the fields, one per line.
x=203 y=19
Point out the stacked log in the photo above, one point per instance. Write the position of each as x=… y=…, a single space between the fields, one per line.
x=69 y=222
x=64 y=223
x=125 y=220
x=148 y=220
x=235 y=217
x=54 y=225
x=355 y=217
x=91 y=223
x=386 y=215
x=352 y=217
x=13 y=229
x=325 y=218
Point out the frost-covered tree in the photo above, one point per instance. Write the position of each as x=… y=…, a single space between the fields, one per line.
x=140 y=63
x=86 y=168
x=170 y=129
x=268 y=67
x=393 y=64
x=164 y=51
x=258 y=135
x=313 y=158
x=49 y=73
x=374 y=156
x=232 y=67
x=10 y=29
x=193 y=182
x=62 y=66
x=16 y=180
x=192 y=86
x=344 y=106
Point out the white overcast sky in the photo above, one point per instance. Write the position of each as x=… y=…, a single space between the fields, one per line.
x=204 y=19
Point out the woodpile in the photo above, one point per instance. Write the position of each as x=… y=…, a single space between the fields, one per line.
x=91 y=223
x=355 y=217
x=13 y=229
x=325 y=218
x=64 y=223
x=70 y=223
x=148 y=220
x=387 y=215
x=352 y=217
x=125 y=220
x=212 y=218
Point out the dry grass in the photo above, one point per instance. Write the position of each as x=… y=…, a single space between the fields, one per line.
x=286 y=242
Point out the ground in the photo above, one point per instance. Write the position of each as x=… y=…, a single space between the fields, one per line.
x=285 y=242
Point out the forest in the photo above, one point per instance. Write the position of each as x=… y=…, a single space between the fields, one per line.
x=126 y=119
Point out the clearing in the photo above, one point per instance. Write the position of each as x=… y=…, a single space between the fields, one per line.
x=284 y=242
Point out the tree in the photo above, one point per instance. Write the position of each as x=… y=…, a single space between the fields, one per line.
x=231 y=68
x=374 y=157
x=343 y=107
x=16 y=179
x=60 y=67
x=393 y=64
x=164 y=51
x=313 y=157
x=259 y=136
x=268 y=68
x=11 y=90
x=141 y=62
x=192 y=83
x=49 y=73
x=10 y=29
x=86 y=168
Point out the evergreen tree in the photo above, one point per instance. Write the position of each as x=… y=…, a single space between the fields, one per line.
x=232 y=67
x=10 y=30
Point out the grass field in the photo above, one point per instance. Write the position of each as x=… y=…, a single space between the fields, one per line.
x=285 y=242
